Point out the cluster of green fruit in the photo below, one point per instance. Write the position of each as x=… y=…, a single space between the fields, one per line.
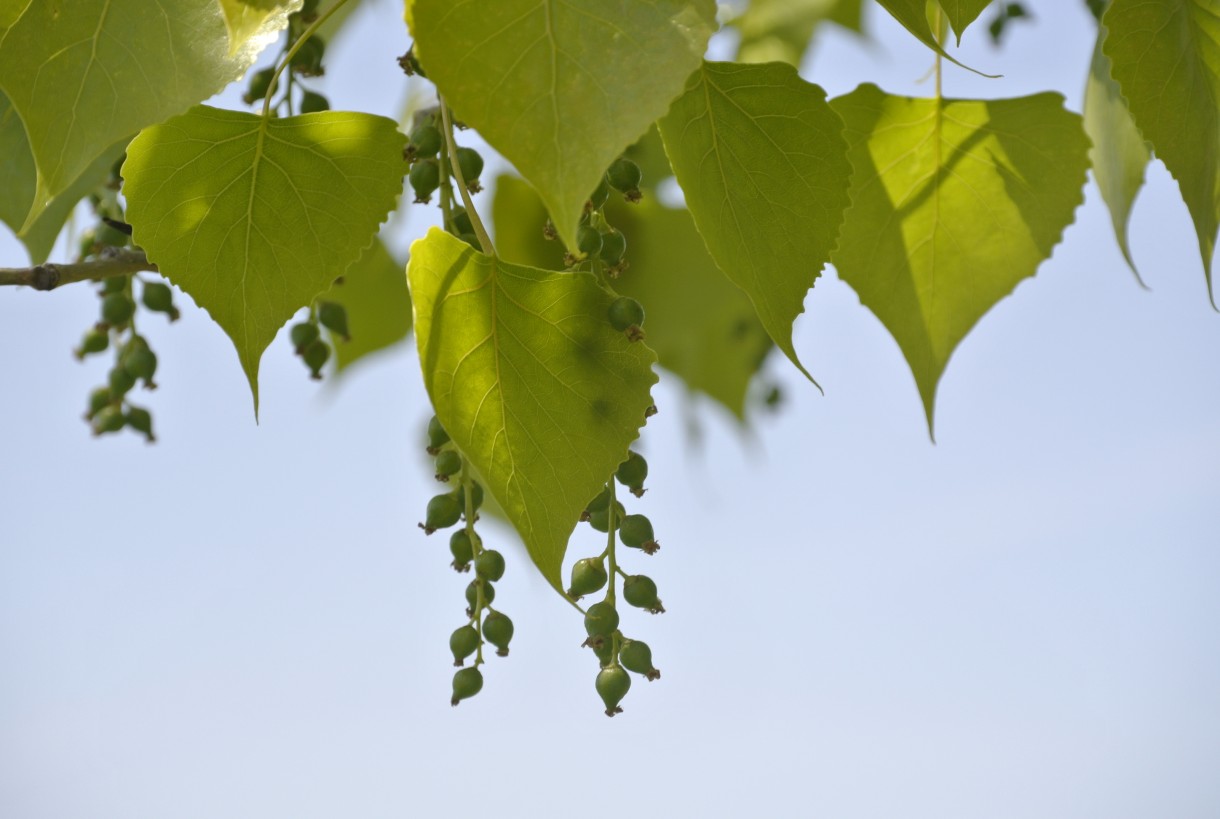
x=616 y=653
x=484 y=623
x=598 y=243
x=307 y=340
x=305 y=62
x=430 y=166
x=109 y=410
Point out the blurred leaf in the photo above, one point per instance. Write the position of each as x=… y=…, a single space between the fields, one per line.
x=560 y=89
x=255 y=217
x=913 y=14
x=962 y=13
x=1166 y=59
x=761 y=158
x=703 y=327
x=780 y=30
x=80 y=87
x=954 y=202
x=246 y=18
x=531 y=382
x=1119 y=155
x=374 y=293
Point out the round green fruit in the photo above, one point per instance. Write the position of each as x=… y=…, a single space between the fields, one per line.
x=140 y=420
x=498 y=630
x=120 y=381
x=437 y=437
x=117 y=309
x=614 y=245
x=613 y=682
x=472 y=594
x=109 y=419
x=640 y=591
x=636 y=531
x=463 y=642
x=601 y=620
x=588 y=240
x=600 y=518
x=588 y=575
x=461 y=549
x=489 y=565
x=635 y=655
x=333 y=316
x=466 y=683
x=312 y=103
x=316 y=354
x=443 y=512
x=302 y=335
x=471 y=163
x=632 y=472
x=158 y=297
x=425 y=141
x=425 y=178
x=476 y=496
x=624 y=175
x=625 y=313
x=447 y=463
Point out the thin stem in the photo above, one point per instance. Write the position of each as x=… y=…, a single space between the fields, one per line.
x=50 y=275
x=309 y=32
x=475 y=221
x=611 y=524
x=476 y=550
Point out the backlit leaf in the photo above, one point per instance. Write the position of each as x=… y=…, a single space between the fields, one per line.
x=374 y=293
x=560 y=89
x=79 y=85
x=761 y=158
x=780 y=30
x=254 y=217
x=954 y=202
x=1165 y=56
x=913 y=14
x=531 y=381
x=246 y=18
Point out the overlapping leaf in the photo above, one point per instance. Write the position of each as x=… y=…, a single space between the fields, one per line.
x=254 y=217
x=954 y=202
x=246 y=18
x=373 y=291
x=1119 y=155
x=761 y=158
x=702 y=326
x=79 y=86
x=531 y=381
x=913 y=14
x=780 y=30
x=1166 y=59
x=560 y=89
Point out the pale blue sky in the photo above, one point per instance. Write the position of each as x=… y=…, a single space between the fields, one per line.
x=1023 y=620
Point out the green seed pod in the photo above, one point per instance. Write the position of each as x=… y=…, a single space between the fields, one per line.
x=312 y=102
x=448 y=463
x=463 y=642
x=425 y=178
x=333 y=317
x=632 y=472
x=472 y=591
x=141 y=362
x=115 y=284
x=640 y=591
x=466 y=683
x=489 y=565
x=635 y=655
x=425 y=141
x=476 y=496
x=260 y=82
x=99 y=399
x=498 y=630
x=461 y=549
x=109 y=236
x=588 y=240
x=625 y=176
x=316 y=354
x=95 y=341
x=471 y=164
x=625 y=313
x=600 y=502
x=600 y=194
x=302 y=335
x=159 y=298
x=588 y=575
x=437 y=437
x=120 y=381
x=635 y=531
x=614 y=245
x=601 y=619
x=612 y=685
x=308 y=60
x=140 y=420
x=117 y=309
x=600 y=519
x=443 y=512
x=109 y=419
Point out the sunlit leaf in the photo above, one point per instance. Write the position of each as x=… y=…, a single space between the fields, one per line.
x=80 y=86
x=961 y=13
x=246 y=18
x=702 y=326
x=254 y=217
x=1119 y=155
x=560 y=89
x=374 y=293
x=913 y=14
x=1166 y=59
x=761 y=158
x=954 y=202
x=531 y=381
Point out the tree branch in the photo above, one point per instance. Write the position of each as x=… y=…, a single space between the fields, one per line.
x=112 y=262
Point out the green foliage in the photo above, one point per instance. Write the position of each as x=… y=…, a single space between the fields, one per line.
x=914 y=16
x=254 y=217
x=780 y=30
x=954 y=202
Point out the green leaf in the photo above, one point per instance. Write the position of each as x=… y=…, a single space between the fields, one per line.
x=254 y=217
x=954 y=202
x=18 y=179
x=1119 y=155
x=1166 y=59
x=246 y=18
x=702 y=326
x=560 y=89
x=79 y=85
x=761 y=158
x=531 y=382
x=780 y=30
x=913 y=14
x=962 y=13
x=374 y=293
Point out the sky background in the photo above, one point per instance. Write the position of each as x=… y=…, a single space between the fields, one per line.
x=1021 y=620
